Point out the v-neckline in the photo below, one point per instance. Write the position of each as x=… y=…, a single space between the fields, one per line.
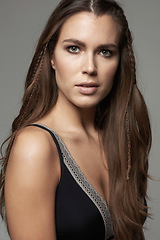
x=84 y=183
x=74 y=161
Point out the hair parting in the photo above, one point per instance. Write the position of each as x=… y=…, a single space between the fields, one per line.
x=91 y=5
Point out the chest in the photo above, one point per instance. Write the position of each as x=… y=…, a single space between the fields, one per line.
x=90 y=157
x=80 y=209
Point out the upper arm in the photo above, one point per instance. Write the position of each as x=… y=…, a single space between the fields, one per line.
x=31 y=180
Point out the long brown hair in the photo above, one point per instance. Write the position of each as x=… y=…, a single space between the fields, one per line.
x=122 y=116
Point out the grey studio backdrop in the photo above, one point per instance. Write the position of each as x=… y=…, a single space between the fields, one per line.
x=21 y=23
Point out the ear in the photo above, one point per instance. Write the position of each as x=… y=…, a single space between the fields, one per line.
x=53 y=63
x=52 y=60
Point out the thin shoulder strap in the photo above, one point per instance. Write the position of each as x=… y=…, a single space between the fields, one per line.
x=53 y=137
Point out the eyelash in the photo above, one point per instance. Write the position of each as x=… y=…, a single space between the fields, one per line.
x=71 y=51
x=109 y=53
x=101 y=52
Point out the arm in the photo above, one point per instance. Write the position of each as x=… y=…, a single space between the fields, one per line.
x=31 y=179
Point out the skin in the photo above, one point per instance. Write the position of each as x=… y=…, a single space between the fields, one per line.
x=86 y=58
x=33 y=176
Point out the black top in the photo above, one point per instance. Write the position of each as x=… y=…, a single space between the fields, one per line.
x=80 y=212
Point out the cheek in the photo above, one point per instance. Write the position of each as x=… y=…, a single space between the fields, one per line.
x=110 y=70
x=64 y=68
x=60 y=69
x=109 y=75
x=62 y=74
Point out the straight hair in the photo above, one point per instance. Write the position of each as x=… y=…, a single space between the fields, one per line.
x=122 y=116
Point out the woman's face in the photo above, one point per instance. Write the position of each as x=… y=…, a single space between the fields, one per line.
x=86 y=58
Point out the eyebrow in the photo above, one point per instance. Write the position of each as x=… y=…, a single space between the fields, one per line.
x=82 y=44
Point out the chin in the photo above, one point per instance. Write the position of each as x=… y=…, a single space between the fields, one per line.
x=86 y=105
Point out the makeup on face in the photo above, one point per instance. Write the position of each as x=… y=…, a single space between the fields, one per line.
x=86 y=58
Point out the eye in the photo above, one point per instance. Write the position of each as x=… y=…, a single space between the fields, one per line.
x=106 y=53
x=73 y=49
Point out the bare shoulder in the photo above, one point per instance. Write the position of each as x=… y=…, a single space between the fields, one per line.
x=34 y=151
x=33 y=140
x=31 y=180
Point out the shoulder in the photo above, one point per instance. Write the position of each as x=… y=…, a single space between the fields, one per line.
x=34 y=152
x=32 y=141
x=33 y=138
x=31 y=181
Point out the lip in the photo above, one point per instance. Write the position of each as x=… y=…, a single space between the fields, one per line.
x=87 y=88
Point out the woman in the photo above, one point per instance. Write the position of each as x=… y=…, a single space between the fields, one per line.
x=77 y=161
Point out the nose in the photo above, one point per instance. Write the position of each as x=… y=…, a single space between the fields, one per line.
x=89 y=65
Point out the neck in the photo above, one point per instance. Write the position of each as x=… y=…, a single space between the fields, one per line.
x=71 y=117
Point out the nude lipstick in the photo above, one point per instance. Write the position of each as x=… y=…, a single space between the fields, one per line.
x=87 y=88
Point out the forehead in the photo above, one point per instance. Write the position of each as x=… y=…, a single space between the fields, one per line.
x=86 y=26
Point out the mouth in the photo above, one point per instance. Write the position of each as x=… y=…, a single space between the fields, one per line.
x=87 y=88
x=88 y=84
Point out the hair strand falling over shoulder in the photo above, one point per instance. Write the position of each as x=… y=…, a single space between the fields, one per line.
x=122 y=117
